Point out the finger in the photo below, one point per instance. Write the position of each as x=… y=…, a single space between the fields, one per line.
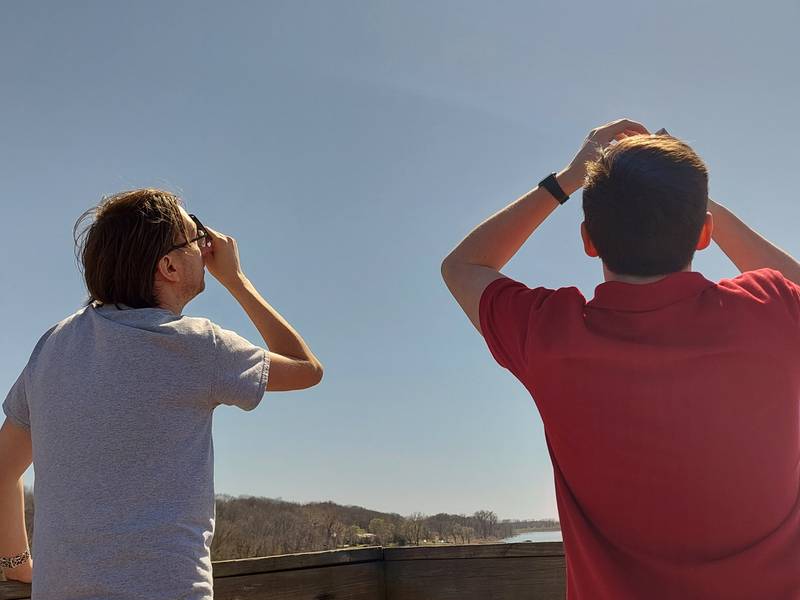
x=634 y=126
x=626 y=134
x=611 y=130
x=213 y=233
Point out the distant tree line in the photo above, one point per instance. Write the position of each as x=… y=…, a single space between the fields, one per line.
x=248 y=526
x=251 y=526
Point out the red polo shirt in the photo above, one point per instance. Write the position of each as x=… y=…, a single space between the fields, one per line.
x=671 y=415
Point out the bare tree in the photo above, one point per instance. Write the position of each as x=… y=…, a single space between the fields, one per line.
x=415 y=528
x=486 y=523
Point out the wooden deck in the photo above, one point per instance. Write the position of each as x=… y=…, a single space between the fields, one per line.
x=523 y=571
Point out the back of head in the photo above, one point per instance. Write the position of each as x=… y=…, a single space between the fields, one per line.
x=644 y=203
x=120 y=241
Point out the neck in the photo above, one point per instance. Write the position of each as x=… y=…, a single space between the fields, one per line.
x=610 y=276
x=169 y=300
x=176 y=308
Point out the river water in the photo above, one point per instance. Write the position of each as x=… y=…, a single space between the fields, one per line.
x=536 y=536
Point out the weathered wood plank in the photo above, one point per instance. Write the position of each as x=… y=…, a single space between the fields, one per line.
x=362 y=581
x=473 y=572
x=355 y=581
x=525 y=578
x=286 y=562
x=14 y=590
x=520 y=549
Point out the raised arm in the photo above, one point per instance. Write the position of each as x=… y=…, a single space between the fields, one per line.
x=746 y=248
x=477 y=260
x=292 y=364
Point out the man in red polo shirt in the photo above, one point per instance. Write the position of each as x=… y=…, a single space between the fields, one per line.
x=669 y=402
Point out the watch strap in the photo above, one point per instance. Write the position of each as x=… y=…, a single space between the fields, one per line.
x=551 y=185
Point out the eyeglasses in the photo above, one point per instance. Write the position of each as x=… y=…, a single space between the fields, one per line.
x=202 y=239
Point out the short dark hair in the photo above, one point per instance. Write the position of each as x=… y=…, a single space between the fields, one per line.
x=644 y=205
x=119 y=242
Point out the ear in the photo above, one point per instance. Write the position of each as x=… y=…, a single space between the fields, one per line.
x=705 y=233
x=588 y=246
x=166 y=271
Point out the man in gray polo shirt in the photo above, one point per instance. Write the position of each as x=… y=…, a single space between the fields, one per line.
x=114 y=409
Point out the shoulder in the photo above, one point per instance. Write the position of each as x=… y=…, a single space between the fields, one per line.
x=766 y=289
x=516 y=319
x=217 y=336
x=521 y=295
x=760 y=284
x=198 y=328
x=507 y=304
x=53 y=332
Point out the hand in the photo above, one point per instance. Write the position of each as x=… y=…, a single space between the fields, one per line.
x=222 y=261
x=598 y=140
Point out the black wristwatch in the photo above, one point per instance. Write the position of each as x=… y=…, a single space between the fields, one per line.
x=551 y=185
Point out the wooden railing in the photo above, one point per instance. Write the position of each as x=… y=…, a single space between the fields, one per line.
x=523 y=571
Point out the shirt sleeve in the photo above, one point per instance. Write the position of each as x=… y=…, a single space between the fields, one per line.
x=241 y=370
x=770 y=286
x=15 y=405
x=792 y=295
x=508 y=311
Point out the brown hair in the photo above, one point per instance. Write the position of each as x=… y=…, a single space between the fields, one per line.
x=126 y=236
x=644 y=204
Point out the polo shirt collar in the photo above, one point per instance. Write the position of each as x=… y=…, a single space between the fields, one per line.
x=634 y=297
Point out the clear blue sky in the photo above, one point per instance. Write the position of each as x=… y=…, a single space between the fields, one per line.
x=348 y=146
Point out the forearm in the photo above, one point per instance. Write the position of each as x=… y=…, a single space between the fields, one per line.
x=13 y=537
x=746 y=248
x=495 y=241
x=278 y=335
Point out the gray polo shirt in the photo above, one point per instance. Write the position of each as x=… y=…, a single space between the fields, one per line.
x=119 y=404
